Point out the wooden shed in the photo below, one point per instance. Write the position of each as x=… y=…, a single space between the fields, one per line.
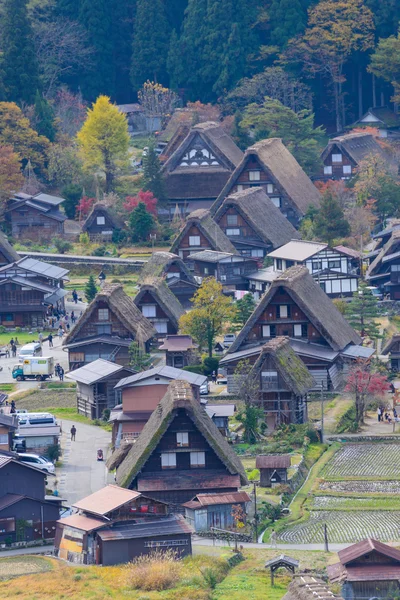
x=205 y=511
x=273 y=469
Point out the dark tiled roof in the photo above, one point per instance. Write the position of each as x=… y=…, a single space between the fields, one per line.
x=173 y=525
x=201 y=500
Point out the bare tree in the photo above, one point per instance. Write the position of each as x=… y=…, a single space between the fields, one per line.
x=61 y=49
x=157 y=101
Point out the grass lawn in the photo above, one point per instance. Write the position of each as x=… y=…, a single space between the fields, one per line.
x=24 y=337
x=7 y=387
x=23 y=565
x=129 y=282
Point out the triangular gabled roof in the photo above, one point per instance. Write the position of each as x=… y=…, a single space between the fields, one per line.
x=7 y=250
x=313 y=301
x=159 y=263
x=161 y=293
x=366 y=547
x=389 y=345
x=97 y=208
x=261 y=214
x=209 y=228
x=356 y=146
x=283 y=167
x=179 y=395
x=289 y=366
x=123 y=307
x=385 y=252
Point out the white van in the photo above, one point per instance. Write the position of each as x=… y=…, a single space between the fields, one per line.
x=32 y=349
x=35 y=419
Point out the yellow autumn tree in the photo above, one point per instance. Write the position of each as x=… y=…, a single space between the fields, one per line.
x=104 y=139
x=211 y=311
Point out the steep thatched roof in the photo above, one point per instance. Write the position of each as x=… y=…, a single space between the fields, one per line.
x=179 y=395
x=102 y=209
x=7 y=250
x=356 y=146
x=209 y=228
x=261 y=214
x=289 y=366
x=159 y=264
x=161 y=293
x=392 y=246
x=123 y=307
x=395 y=339
x=283 y=169
x=315 y=304
x=308 y=587
x=118 y=456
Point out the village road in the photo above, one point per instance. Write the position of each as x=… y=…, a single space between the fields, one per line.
x=81 y=474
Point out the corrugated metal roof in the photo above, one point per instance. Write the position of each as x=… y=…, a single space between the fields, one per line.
x=4 y=460
x=282 y=558
x=48 y=199
x=354 y=351
x=166 y=372
x=364 y=547
x=94 y=371
x=30 y=432
x=57 y=295
x=42 y=268
x=159 y=527
x=81 y=522
x=213 y=499
x=263 y=275
x=298 y=250
x=10 y=499
x=274 y=461
x=178 y=343
x=111 y=340
x=106 y=499
x=212 y=256
x=221 y=410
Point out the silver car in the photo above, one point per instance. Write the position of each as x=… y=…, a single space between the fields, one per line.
x=40 y=462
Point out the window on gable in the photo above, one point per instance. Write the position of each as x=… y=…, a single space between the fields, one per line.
x=346 y=169
x=328 y=170
x=149 y=310
x=231 y=231
x=283 y=311
x=100 y=220
x=197 y=460
x=276 y=200
x=103 y=314
x=231 y=219
x=270 y=188
x=254 y=175
x=182 y=439
x=168 y=460
x=194 y=240
x=336 y=158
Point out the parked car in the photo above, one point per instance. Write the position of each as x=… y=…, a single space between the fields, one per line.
x=204 y=389
x=375 y=292
x=32 y=349
x=40 y=462
x=229 y=339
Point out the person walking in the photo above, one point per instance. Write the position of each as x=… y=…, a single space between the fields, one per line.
x=75 y=296
x=50 y=338
x=272 y=539
x=40 y=338
x=60 y=332
x=57 y=369
x=73 y=433
x=214 y=377
x=61 y=373
x=379 y=414
x=13 y=350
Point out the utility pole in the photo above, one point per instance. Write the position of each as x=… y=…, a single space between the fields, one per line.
x=322 y=412
x=255 y=512
x=326 y=546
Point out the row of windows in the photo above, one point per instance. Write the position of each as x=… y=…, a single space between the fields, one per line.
x=299 y=330
x=274 y=199
x=332 y=264
x=197 y=460
x=346 y=170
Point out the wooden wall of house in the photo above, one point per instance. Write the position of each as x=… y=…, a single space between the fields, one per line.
x=265 y=476
x=81 y=355
x=31 y=224
x=337 y=168
x=247 y=232
x=4 y=438
x=18 y=479
x=185 y=248
x=148 y=298
x=3 y=260
x=95 y=229
x=22 y=319
x=93 y=326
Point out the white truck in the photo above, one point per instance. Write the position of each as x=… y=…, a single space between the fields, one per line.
x=34 y=367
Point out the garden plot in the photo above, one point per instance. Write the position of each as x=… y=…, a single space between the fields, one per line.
x=344 y=527
x=381 y=461
x=346 y=503
x=360 y=487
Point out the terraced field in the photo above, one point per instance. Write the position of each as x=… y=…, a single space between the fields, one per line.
x=351 y=497
x=344 y=527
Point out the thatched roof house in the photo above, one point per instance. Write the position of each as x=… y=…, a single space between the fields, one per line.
x=158 y=303
x=199 y=167
x=219 y=468
x=201 y=232
x=258 y=220
x=106 y=329
x=384 y=269
x=356 y=146
x=101 y=221
x=317 y=307
x=175 y=272
x=7 y=252
x=269 y=164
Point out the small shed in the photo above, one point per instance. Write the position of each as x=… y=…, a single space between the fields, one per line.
x=273 y=469
x=214 y=510
x=180 y=351
x=95 y=386
x=279 y=562
x=220 y=414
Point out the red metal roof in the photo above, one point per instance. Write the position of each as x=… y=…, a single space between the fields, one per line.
x=107 y=499
x=364 y=547
x=274 y=461
x=81 y=522
x=178 y=343
x=223 y=498
x=186 y=480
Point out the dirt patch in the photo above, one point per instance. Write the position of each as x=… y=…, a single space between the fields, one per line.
x=40 y=399
x=23 y=565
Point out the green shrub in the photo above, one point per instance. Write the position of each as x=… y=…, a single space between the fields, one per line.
x=53 y=452
x=210 y=577
x=210 y=364
x=61 y=245
x=99 y=251
x=199 y=369
x=254 y=475
x=348 y=421
x=84 y=239
x=2 y=329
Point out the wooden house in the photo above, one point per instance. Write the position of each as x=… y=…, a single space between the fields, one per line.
x=383 y=118
x=283 y=382
x=101 y=222
x=392 y=349
x=7 y=253
x=205 y=511
x=260 y=281
x=137 y=396
x=368 y=569
x=343 y=154
x=27 y=288
x=180 y=453
x=201 y=232
x=332 y=268
x=180 y=351
x=220 y=414
x=36 y=218
x=26 y=513
x=8 y=426
x=95 y=383
x=269 y=165
x=115 y=525
x=159 y=305
x=273 y=469
x=199 y=168
x=384 y=270
x=229 y=269
x=295 y=306
x=175 y=272
x=253 y=223
x=107 y=328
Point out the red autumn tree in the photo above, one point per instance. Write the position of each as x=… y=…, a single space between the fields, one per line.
x=147 y=198
x=364 y=383
x=84 y=207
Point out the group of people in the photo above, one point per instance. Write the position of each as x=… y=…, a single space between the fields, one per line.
x=59 y=371
x=13 y=343
x=384 y=415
